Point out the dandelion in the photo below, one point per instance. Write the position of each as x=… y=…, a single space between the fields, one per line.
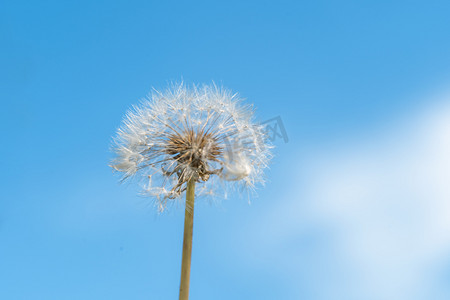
x=188 y=136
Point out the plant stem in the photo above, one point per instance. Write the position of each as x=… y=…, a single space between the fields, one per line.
x=187 y=240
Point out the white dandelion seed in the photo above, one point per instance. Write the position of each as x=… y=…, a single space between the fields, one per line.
x=187 y=136
x=202 y=133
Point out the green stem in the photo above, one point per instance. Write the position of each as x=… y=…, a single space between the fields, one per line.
x=187 y=240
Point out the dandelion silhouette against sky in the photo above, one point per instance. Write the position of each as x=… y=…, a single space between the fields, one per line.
x=186 y=136
x=188 y=133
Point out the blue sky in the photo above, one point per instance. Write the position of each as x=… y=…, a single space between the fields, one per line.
x=357 y=201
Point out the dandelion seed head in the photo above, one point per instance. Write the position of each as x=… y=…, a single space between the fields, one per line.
x=186 y=133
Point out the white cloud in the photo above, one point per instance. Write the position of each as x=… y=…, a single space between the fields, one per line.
x=382 y=206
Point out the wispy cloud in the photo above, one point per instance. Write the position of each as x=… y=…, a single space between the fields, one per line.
x=374 y=220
